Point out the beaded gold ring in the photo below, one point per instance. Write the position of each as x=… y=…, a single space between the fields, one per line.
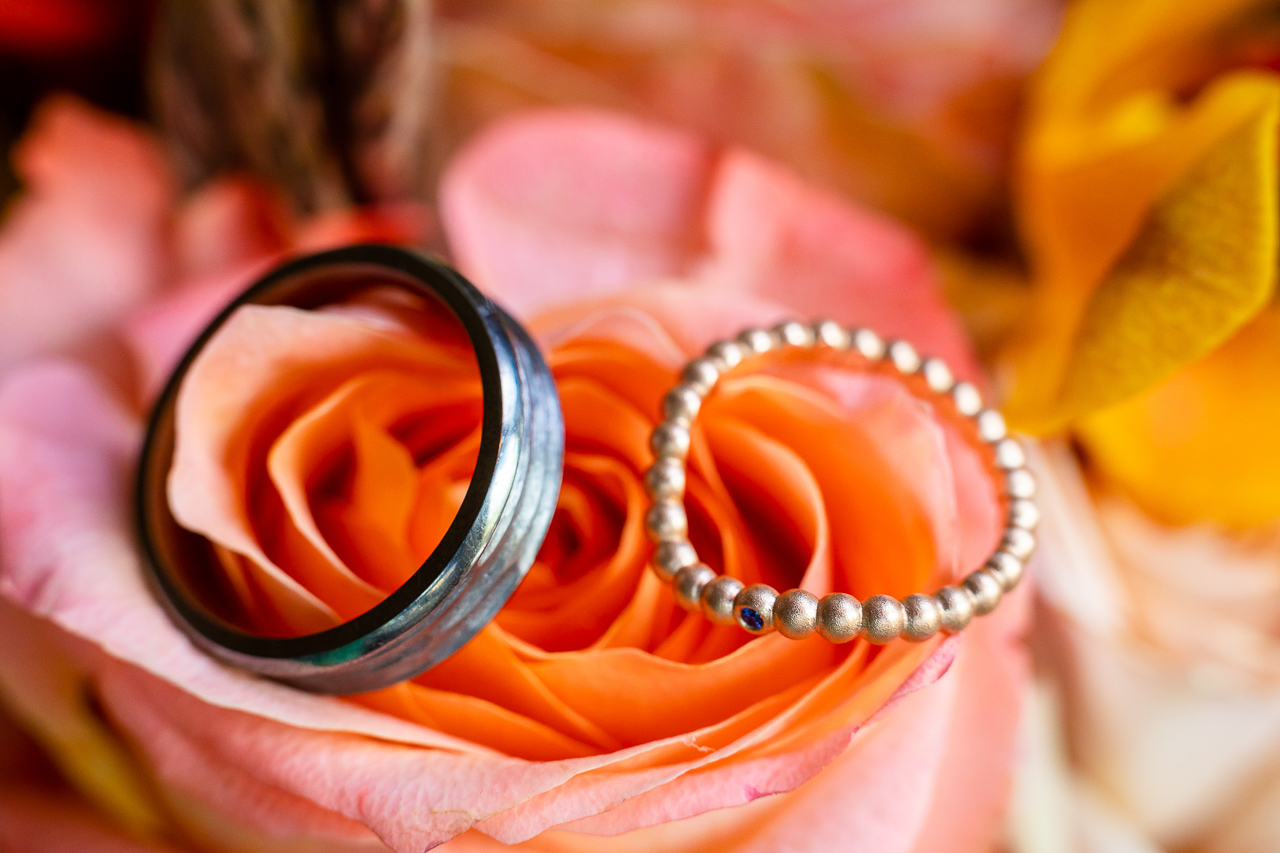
x=837 y=617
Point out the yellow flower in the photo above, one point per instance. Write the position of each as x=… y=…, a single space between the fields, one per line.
x=1147 y=201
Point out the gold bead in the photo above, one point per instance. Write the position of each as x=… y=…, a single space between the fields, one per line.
x=967 y=399
x=670 y=438
x=904 y=357
x=701 y=373
x=991 y=426
x=665 y=479
x=829 y=333
x=717 y=599
x=667 y=520
x=794 y=333
x=1018 y=542
x=1019 y=483
x=883 y=618
x=753 y=608
x=757 y=341
x=670 y=557
x=1009 y=454
x=795 y=614
x=956 y=605
x=937 y=375
x=727 y=354
x=839 y=617
x=688 y=585
x=682 y=403
x=986 y=590
x=924 y=617
x=869 y=344
x=1007 y=568
x=1024 y=514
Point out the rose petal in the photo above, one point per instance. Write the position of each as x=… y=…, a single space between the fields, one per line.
x=43 y=686
x=265 y=360
x=773 y=235
x=567 y=203
x=229 y=222
x=159 y=335
x=1150 y=699
x=662 y=207
x=87 y=241
x=67 y=551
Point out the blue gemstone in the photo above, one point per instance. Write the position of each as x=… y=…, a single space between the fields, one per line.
x=751 y=619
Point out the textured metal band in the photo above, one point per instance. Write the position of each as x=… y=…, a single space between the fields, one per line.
x=483 y=555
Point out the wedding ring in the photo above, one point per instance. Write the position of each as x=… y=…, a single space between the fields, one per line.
x=486 y=550
x=837 y=617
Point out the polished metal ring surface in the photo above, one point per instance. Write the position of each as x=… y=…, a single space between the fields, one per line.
x=485 y=552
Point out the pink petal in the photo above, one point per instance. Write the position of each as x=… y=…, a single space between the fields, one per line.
x=402 y=223
x=994 y=669
x=775 y=236
x=159 y=335
x=931 y=772
x=562 y=204
x=228 y=222
x=88 y=239
x=667 y=321
x=228 y=234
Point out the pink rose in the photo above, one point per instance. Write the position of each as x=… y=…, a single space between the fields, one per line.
x=607 y=236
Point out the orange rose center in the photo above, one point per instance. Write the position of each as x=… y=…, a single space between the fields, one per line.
x=327 y=471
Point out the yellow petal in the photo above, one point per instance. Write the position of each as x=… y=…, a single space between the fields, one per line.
x=1128 y=294
x=1204 y=444
x=1203 y=264
x=1110 y=49
x=1105 y=184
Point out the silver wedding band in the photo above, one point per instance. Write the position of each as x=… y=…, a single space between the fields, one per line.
x=485 y=552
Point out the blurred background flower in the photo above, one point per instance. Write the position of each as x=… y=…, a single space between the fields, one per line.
x=93 y=48
x=907 y=106
x=1146 y=195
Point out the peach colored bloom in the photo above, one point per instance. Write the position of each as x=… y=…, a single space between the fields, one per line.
x=627 y=248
